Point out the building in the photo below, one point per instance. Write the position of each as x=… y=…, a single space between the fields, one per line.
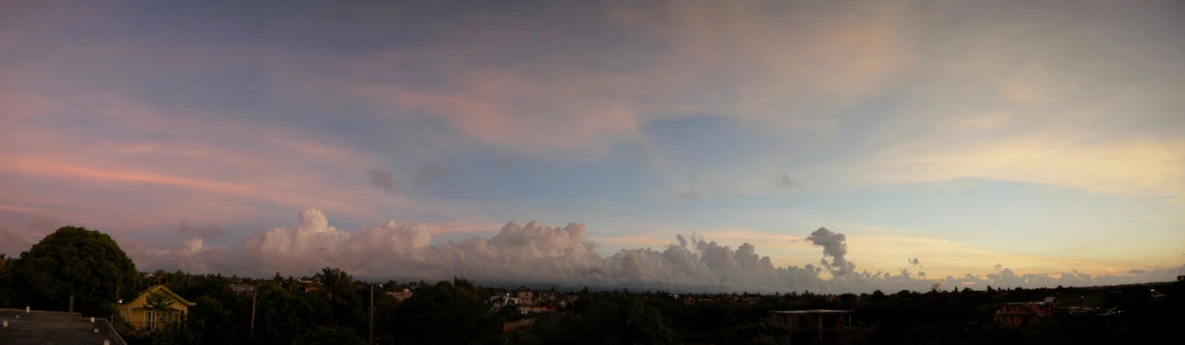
x=401 y=295
x=511 y=326
x=137 y=313
x=37 y=327
x=241 y=289
x=815 y=326
x=535 y=309
x=567 y=300
x=1024 y=313
x=545 y=297
x=501 y=301
x=525 y=296
x=309 y=285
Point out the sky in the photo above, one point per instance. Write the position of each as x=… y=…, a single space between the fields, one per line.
x=717 y=145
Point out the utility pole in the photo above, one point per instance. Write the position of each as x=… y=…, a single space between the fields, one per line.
x=118 y=301
x=252 y=334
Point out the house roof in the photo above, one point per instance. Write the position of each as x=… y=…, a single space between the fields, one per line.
x=241 y=287
x=1047 y=300
x=50 y=327
x=166 y=291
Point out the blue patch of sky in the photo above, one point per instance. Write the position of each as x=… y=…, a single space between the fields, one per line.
x=527 y=188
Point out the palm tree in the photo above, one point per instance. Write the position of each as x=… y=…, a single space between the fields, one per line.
x=336 y=285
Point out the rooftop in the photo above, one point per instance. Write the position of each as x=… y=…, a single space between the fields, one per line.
x=241 y=287
x=1047 y=300
x=58 y=328
x=812 y=311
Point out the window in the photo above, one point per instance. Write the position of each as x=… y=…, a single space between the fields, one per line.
x=153 y=319
x=149 y=319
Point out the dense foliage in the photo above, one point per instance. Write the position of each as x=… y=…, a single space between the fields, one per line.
x=331 y=307
x=74 y=261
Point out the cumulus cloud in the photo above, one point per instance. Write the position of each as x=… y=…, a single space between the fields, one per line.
x=208 y=231
x=382 y=179
x=534 y=253
x=519 y=253
x=784 y=180
x=835 y=246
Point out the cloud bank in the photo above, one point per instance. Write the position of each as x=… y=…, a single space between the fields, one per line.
x=535 y=253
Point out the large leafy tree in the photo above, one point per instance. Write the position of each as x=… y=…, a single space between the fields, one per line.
x=337 y=290
x=281 y=317
x=619 y=318
x=7 y=292
x=209 y=322
x=445 y=313
x=336 y=285
x=76 y=261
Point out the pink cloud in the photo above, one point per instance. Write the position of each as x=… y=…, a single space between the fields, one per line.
x=208 y=166
x=509 y=109
x=730 y=60
x=17 y=105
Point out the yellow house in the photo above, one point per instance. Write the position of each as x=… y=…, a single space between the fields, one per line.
x=136 y=312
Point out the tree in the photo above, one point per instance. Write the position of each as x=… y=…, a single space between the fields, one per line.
x=329 y=336
x=76 y=261
x=7 y=292
x=281 y=317
x=209 y=322
x=445 y=313
x=158 y=301
x=336 y=285
x=620 y=318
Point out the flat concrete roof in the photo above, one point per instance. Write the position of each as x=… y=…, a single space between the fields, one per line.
x=812 y=311
x=50 y=328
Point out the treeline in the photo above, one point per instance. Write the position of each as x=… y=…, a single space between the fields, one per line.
x=284 y=310
x=337 y=312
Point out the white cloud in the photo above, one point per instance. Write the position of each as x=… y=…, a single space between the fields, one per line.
x=537 y=253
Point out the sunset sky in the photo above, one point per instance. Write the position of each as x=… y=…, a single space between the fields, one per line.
x=1043 y=137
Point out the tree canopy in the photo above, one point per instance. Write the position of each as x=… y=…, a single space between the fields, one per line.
x=159 y=301
x=87 y=264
